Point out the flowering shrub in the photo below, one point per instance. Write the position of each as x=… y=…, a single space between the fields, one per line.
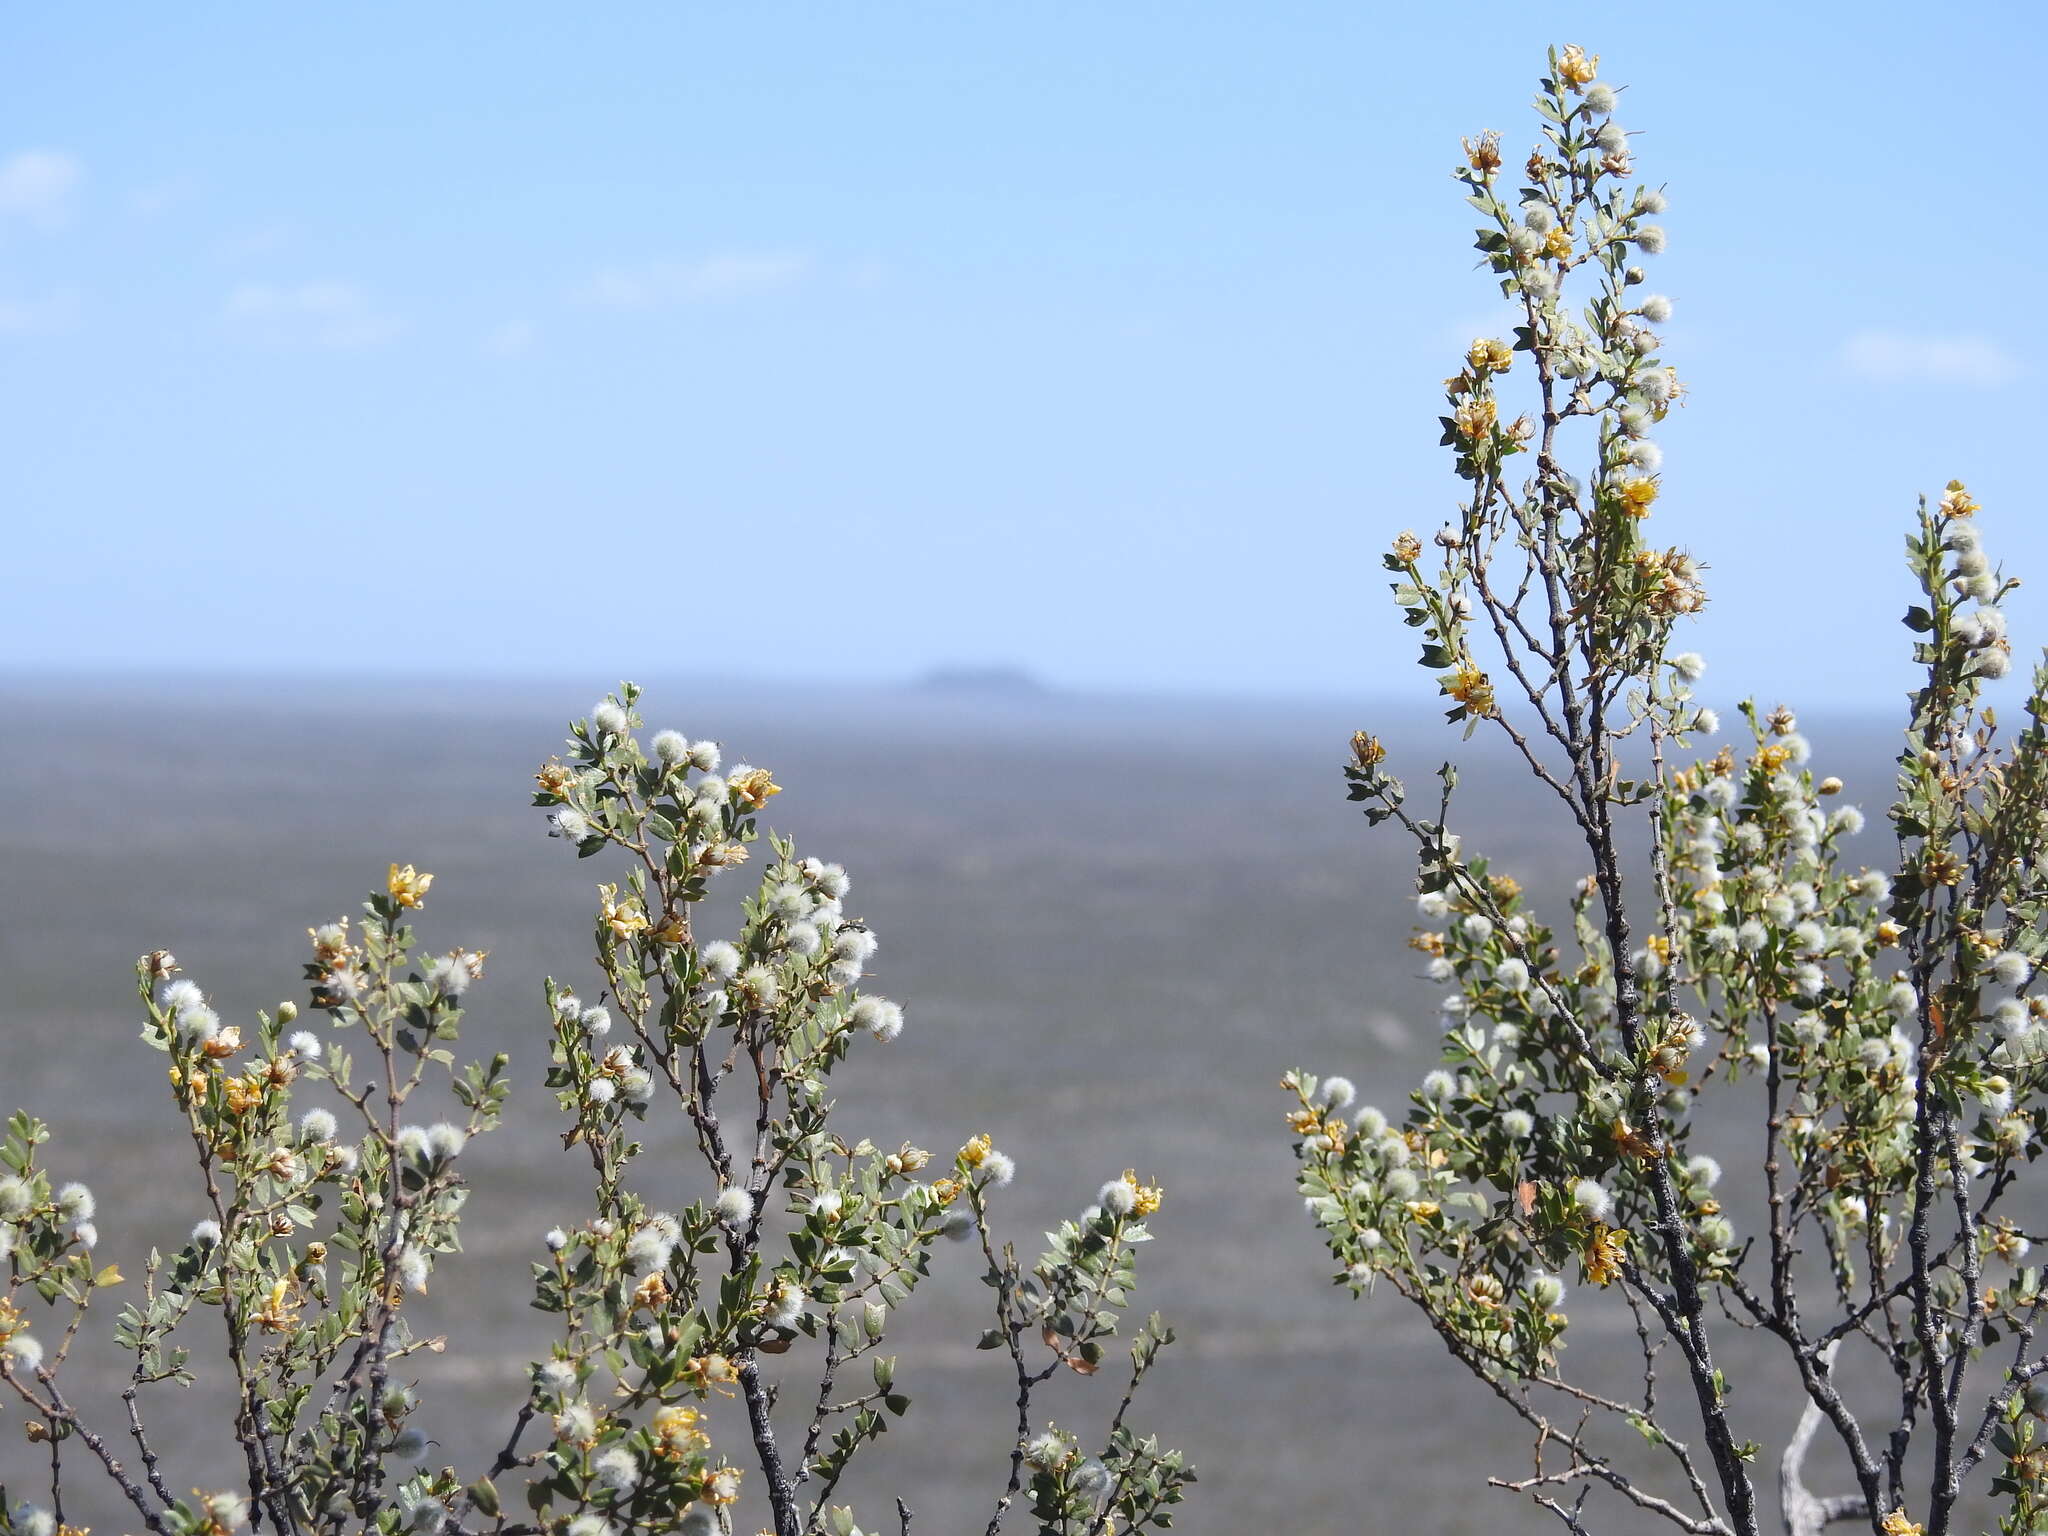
x=1879 y=1023
x=653 y=1410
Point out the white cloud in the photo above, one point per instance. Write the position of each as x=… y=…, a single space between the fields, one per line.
x=37 y=185
x=1894 y=357
x=339 y=316
x=38 y=317
x=514 y=338
x=662 y=283
x=160 y=197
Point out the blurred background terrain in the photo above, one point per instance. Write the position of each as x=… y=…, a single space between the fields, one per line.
x=1114 y=922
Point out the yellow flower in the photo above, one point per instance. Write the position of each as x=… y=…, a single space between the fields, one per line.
x=1367 y=751
x=1407 y=548
x=1423 y=1210
x=12 y=1320
x=1485 y=356
x=243 y=1093
x=722 y=855
x=1148 y=1196
x=677 y=1431
x=1471 y=688
x=651 y=1293
x=554 y=780
x=1505 y=888
x=1636 y=494
x=279 y=1312
x=977 y=1148
x=224 y=1044
x=1557 y=244
x=755 y=786
x=1484 y=154
x=408 y=887
x=723 y=1486
x=946 y=1191
x=1604 y=1253
x=1897 y=1524
x=1475 y=418
x=1889 y=933
x=1958 y=503
x=1943 y=868
x=708 y=1371
x=1575 y=68
x=670 y=930
x=624 y=918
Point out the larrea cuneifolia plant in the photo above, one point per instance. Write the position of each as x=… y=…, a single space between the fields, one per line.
x=653 y=1411
x=1879 y=1027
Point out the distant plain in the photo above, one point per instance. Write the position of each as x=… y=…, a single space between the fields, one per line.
x=1113 y=923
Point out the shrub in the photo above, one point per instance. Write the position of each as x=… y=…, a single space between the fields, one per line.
x=319 y=1225
x=1878 y=1025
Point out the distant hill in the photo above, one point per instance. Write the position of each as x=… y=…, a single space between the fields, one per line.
x=985 y=682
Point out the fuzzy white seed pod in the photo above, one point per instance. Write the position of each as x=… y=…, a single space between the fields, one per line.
x=2011 y=969
x=1591 y=1196
x=1432 y=906
x=206 y=1233
x=734 y=1205
x=998 y=1169
x=317 y=1125
x=571 y=825
x=1337 y=1092
x=595 y=1022
x=1519 y=1124
x=608 y=719
x=1599 y=98
x=76 y=1203
x=720 y=960
x=671 y=747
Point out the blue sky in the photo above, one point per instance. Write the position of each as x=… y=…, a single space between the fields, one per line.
x=837 y=342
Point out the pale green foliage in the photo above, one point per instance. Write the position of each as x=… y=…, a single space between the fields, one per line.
x=1884 y=1020
x=317 y=1229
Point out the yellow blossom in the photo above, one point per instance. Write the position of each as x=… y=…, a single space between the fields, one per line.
x=224 y=1044
x=1488 y=356
x=722 y=855
x=706 y=1372
x=1897 y=1524
x=279 y=1312
x=1423 y=1210
x=1575 y=68
x=670 y=930
x=1407 y=548
x=1475 y=418
x=1367 y=751
x=1889 y=933
x=554 y=780
x=677 y=1431
x=651 y=1293
x=243 y=1093
x=624 y=918
x=1483 y=154
x=976 y=1150
x=408 y=887
x=1958 y=502
x=1471 y=688
x=1604 y=1253
x=946 y=1191
x=755 y=786
x=1148 y=1196
x=1557 y=244
x=12 y=1319
x=723 y=1486
x=1635 y=495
